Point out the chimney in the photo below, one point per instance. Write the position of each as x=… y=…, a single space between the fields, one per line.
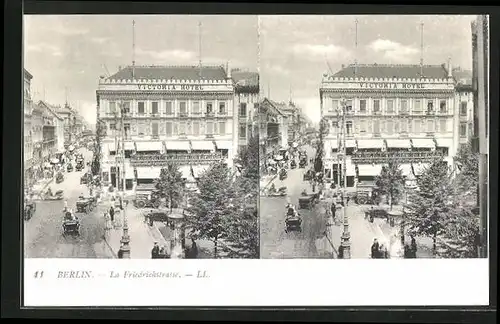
x=449 y=67
x=228 y=70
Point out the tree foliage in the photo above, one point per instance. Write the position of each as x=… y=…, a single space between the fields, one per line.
x=461 y=236
x=432 y=204
x=467 y=178
x=249 y=158
x=219 y=212
x=97 y=148
x=171 y=185
x=390 y=182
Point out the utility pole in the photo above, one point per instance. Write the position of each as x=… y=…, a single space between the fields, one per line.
x=346 y=236
x=125 y=237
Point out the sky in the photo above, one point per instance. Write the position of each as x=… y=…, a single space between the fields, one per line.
x=67 y=54
x=295 y=49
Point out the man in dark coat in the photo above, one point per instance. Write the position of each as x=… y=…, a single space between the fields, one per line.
x=375 y=249
x=155 y=251
x=112 y=213
x=413 y=247
x=333 y=209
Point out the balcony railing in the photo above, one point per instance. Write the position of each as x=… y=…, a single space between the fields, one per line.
x=138 y=160
x=430 y=134
x=361 y=157
x=183 y=114
x=210 y=114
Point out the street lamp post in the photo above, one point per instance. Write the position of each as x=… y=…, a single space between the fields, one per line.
x=346 y=236
x=125 y=241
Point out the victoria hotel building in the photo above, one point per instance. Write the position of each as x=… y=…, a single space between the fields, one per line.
x=406 y=112
x=192 y=116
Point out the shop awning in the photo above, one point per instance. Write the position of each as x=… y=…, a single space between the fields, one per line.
x=129 y=172
x=350 y=170
x=444 y=142
x=129 y=146
x=369 y=169
x=368 y=144
x=186 y=171
x=202 y=145
x=148 y=173
x=149 y=146
x=111 y=147
x=350 y=143
x=333 y=144
x=224 y=145
x=406 y=170
x=423 y=142
x=398 y=143
x=178 y=146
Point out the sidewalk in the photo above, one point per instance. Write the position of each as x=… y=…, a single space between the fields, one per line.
x=142 y=237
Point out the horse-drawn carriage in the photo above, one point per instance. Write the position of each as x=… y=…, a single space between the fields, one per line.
x=69 y=168
x=273 y=192
x=309 y=175
x=59 y=177
x=49 y=195
x=293 y=164
x=283 y=174
x=85 y=204
x=307 y=201
x=303 y=162
x=71 y=223
x=293 y=221
x=79 y=165
x=29 y=209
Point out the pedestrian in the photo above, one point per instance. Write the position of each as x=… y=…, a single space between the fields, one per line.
x=193 y=251
x=413 y=247
x=120 y=252
x=407 y=252
x=65 y=205
x=347 y=200
x=383 y=252
x=162 y=253
x=375 y=249
x=112 y=214
x=333 y=209
x=155 y=251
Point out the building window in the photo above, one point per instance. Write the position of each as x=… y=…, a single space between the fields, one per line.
x=403 y=126
x=210 y=128
x=129 y=184
x=112 y=127
x=182 y=128
x=362 y=126
x=140 y=108
x=169 y=129
x=390 y=106
x=126 y=107
x=442 y=107
x=243 y=130
x=182 y=108
x=348 y=106
x=335 y=105
x=141 y=129
x=390 y=127
x=430 y=107
x=222 y=108
x=169 y=108
x=430 y=126
x=222 y=128
x=196 y=107
x=154 y=108
x=443 y=126
x=404 y=107
x=463 y=129
x=126 y=128
x=243 y=109
x=463 y=108
x=112 y=107
x=362 y=106
x=376 y=106
x=154 y=130
x=417 y=108
x=417 y=126
x=348 y=127
x=210 y=108
x=376 y=127
x=196 y=128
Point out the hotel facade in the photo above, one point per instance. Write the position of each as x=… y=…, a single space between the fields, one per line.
x=406 y=112
x=182 y=114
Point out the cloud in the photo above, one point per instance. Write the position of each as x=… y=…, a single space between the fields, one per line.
x=318 y=49
x=65 y=30
x=310 y=107
x=394 y=51
x=44 y=48
x=277 y=69
x=99 y=40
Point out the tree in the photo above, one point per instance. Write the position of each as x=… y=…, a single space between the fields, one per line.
x=431 y=205
x=467 y=179
x=249 y=158
x=212 y=206
x=460 y=238
x=97 y=150
x=171 y=185
x=242 y=236
x=390 y=182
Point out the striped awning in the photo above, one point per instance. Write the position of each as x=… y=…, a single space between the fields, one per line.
x=148 y=173
x=350 y=143
x=129 y=146
x=350 y=170
x=444 y=142
x=149 y=146
x=423 y=142
x=367 y=144
x=224 y=145
x=202 y=145
x=398 y=143
x=178 y=146
x=369 y=169
x=186 y=171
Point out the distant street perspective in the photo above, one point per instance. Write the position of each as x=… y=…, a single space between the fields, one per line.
x=392 y=166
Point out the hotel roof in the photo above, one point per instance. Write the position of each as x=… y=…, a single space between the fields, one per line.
x=382 y=71
x=171 y=72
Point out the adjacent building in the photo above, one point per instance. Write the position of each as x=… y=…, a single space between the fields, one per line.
x=465 y=102
x=27 y=132
x=273 y=128
x=407 y=112
x=53 y=132
x=246 y=89
x=189 y=115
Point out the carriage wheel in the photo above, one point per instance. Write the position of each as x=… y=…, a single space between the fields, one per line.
x=361 y=201
x=141 y=204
